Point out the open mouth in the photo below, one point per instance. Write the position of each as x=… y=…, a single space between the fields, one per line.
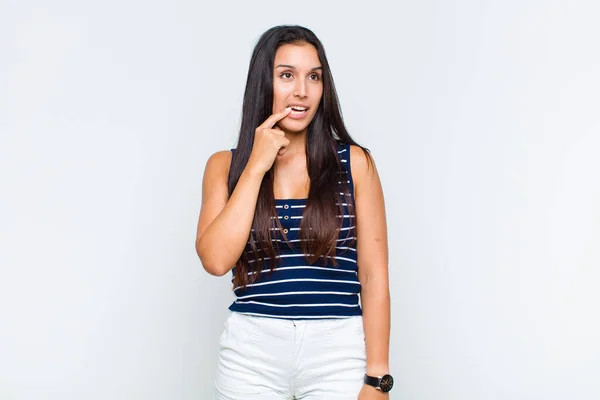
x=298 y=110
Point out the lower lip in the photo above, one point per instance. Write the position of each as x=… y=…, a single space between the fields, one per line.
x=297 y=115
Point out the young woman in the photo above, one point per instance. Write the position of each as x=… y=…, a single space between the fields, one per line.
x=296 y=212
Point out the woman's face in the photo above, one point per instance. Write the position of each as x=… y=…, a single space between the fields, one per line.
x=297 y=82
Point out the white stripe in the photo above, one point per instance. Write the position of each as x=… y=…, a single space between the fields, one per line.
x=340 y=152
x=297 y=280
x=304 y=206
x=346 y=248
x=300 y=216
x=291 y=229
x=345 y=259
x=297 y=305
x=277 y=257
x=342 y=160
x=292 y=293
x=299 y=317
x=337 y=247
x=304 y=240
x=304 y=267
x=301 y=255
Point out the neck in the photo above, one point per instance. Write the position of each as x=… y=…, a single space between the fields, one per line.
x=297 y=143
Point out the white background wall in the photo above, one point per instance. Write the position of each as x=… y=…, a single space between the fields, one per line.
x=483 y=117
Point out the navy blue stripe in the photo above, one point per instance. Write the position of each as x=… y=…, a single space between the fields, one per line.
x=298 y=311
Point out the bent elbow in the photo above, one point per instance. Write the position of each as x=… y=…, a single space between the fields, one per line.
x=213 y=267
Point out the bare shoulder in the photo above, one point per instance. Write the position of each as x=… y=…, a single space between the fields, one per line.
x=220 y=159
x=218 y=163
x=216 y=172
x=362 y=165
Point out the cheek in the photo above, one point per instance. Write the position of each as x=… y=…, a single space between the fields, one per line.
x=277 y=101
x=318 y=94
x=318 y=99
x=280 y=93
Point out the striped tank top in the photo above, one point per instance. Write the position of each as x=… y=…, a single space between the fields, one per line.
x=297 y=289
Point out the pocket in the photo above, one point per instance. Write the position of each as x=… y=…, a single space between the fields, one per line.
x=345 y=332
x=241 y=329
x=225 y=331
x=359 y=328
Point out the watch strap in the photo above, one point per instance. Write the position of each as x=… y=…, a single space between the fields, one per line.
x=372 y=380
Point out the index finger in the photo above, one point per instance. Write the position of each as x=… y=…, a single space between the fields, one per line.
x=272 y=120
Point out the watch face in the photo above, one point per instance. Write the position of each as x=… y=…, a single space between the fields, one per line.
x=386 y=383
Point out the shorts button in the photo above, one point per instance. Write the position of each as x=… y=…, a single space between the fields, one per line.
x=285 y=231
x=286 y=217
x=286 y=206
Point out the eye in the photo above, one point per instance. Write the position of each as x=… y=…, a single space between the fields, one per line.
x=286 y=75
x=315 y=77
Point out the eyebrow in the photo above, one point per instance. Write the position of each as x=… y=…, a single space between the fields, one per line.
x=292 y=67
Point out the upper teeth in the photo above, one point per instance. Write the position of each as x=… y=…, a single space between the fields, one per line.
x=298 y=108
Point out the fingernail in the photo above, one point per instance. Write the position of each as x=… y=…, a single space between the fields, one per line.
x=288 y=109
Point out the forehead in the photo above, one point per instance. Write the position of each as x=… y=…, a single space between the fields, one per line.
x=299 y=55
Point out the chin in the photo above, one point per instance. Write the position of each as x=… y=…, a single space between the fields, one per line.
x=294 y=127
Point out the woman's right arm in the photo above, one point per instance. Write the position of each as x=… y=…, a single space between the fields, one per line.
x=224 y=223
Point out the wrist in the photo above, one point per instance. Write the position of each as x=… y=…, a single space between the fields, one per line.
x=377 y=369
x=375 y=393
x=253 y=172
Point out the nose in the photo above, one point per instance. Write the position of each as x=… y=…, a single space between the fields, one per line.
x=300 y=88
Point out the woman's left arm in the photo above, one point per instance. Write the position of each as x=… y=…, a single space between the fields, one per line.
x=372 y=251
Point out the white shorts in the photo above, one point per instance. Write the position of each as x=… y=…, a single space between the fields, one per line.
x=268 y=358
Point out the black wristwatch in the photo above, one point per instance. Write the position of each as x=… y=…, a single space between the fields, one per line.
x=384 y=383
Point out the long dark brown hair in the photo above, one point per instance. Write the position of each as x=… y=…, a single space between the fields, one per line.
x=327 y=128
